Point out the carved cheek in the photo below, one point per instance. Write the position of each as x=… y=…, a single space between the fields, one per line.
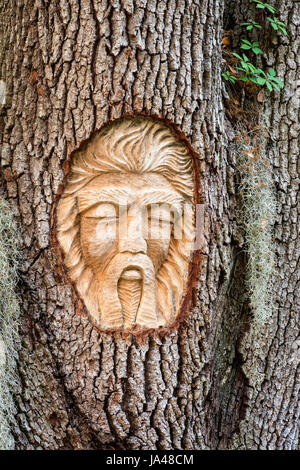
x=99 y=240
x=164 y=243
x=158 y=251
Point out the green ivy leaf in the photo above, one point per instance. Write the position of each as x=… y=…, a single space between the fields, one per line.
x=279 y=22
x=283 y=30
x=252 y=68
x=237 y=56
x=251 y=24
x=245 y=66
x=269 y=86
x=278 y=81
x=246 y=47
x=264 y=5
x=256 y=50
x=246 y=42
x=261 y=81
x=276 y=86
x=272 y=72
x=229 y=77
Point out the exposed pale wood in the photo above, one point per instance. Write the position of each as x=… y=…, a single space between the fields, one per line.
x=127 y=213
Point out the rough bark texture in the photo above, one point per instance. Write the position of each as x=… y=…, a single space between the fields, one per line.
x=70 y=67
x=271 y=355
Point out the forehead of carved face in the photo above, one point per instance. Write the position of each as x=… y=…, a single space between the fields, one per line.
x=127 y=212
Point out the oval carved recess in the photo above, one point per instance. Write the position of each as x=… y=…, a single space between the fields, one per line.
x=125 y=223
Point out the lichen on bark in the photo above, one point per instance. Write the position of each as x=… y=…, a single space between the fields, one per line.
x=9 y=321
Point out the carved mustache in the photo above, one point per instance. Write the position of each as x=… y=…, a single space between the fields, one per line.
x=111 y=309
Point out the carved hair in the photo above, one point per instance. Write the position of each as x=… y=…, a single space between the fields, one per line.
x=129 y=145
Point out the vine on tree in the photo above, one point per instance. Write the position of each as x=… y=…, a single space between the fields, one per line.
x=245 y=70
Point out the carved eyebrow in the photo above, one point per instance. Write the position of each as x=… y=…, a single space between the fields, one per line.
x=117 y=196
x=162 y=197
x=102 y=210
x=125 y=196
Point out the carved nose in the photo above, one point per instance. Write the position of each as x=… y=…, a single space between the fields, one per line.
x=133 y=245
x=132 y=240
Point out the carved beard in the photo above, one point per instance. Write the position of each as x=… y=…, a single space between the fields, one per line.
x=127 y=302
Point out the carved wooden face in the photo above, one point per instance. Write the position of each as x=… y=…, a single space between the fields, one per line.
x=126 y=223
x=125 y=243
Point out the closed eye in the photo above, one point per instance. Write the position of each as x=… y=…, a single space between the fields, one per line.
x=101 y=218
x=102 y=211
x=162 y=213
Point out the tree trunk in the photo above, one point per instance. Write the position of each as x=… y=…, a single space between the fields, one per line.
x=218 y=381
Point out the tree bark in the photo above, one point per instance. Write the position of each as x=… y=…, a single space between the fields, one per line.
x=71 y=66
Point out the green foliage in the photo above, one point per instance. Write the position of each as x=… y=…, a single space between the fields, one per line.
x=276 y=24
x=252 y=24
x=250 y=71
x=252 y=46
x=245 y=63
x=245 y=70
x=9 y=321
x=254 y=74
x=227 y=76
x=270 y=80
x=263 y=6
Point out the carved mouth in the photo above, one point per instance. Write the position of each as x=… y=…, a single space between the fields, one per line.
x=128 y=302
x=131 y=274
